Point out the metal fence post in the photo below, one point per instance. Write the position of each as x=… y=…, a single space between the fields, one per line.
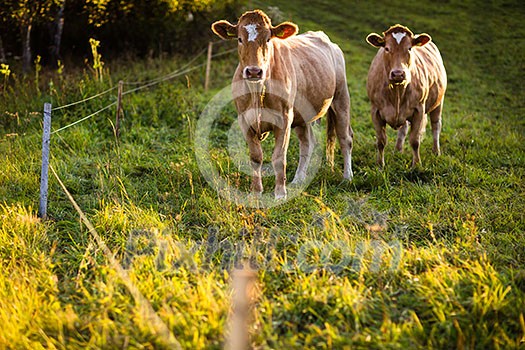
x=46 y=136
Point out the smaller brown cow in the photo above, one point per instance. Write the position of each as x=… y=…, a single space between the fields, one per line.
x=286 y=81
x=406 y=80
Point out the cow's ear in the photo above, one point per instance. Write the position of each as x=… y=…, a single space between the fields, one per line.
x=284 y=30
x=375 y=40
x=421 y=39
x=224 y=29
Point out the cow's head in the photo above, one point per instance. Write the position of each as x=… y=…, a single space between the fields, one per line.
x=397 y=43
x=254 y=32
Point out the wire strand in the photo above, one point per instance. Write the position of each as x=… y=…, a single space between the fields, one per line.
x=169 y=74
x=160 y=80
x=225 y=52
x=175 y=74
x=85 y=118
x=86 y=99
x=181 y=71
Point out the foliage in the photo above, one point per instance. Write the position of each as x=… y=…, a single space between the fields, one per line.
x=330 y=273
x=158 y=26
x=98 y=65
x=24 y=15
x=38 y=68
x=5 y=71
x=25 y=12
x=134 y=27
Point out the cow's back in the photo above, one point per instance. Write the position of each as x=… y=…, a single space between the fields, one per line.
x=315 y=64
x=430 y=74
x=314 y=54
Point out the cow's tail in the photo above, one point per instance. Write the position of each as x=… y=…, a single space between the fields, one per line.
x=330 y=137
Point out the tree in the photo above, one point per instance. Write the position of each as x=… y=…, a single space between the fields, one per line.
x=26 y=13
x=58 y=29
x=2 y=53
x=135 y=27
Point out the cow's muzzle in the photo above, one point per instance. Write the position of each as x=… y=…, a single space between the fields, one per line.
x=397 y=77
x=253 y=73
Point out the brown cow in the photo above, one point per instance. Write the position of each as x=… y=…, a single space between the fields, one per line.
x=282 y=81
x=406 y=80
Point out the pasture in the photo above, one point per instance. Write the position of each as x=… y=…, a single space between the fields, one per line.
x=429 y=258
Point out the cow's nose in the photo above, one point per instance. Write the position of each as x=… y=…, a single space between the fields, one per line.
x=397 y=75
x=253 y=73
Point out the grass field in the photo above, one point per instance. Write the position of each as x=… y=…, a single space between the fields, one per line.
x=431 y=258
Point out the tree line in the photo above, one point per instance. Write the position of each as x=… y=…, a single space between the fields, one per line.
x=58 y=29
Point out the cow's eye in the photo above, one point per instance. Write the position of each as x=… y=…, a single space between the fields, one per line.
x=387 y=49
x=240 y=40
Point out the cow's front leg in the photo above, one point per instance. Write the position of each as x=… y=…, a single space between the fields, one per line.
x=417 y=129
x=282 y=139
x=379 y=126
x=306 y=146
x=256 y=158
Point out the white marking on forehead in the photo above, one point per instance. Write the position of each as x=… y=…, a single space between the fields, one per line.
x=399 y=36
x=252 y=31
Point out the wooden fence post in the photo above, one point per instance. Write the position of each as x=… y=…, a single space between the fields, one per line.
x=119 y=109
x=46 y=137
x=208 y=66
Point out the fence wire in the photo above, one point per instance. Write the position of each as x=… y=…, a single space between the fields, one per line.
x=224 y=53
x=85 y=118
x=175 y=72
x=187 y=68
x=85 y=100
x=160 y=80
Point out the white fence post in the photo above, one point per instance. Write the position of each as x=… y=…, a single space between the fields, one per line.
x=46 y=136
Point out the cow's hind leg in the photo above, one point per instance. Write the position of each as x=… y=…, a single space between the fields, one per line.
x=401 y=135
x=330 y=138
x=435 y=120
x=381 y=138
x=306 y=146
x=339 y=111
x=417 y=129
x=282 y=140
x=256 y=158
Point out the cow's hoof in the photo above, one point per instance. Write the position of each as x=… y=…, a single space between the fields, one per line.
x=297 y=181
x=256 y=189
x=348 y=176
x=280 y=196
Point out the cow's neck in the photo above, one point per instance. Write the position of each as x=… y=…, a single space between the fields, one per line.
x=257 y=92
x=396 y=95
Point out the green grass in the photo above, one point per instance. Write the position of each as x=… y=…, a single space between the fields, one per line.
x=400 y=258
